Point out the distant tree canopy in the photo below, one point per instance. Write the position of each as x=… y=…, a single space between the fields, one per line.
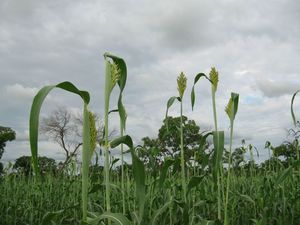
x=167 y=144
x=23 y=165
x=6 y=134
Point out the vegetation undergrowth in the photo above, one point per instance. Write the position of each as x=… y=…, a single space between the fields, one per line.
x=183 y=177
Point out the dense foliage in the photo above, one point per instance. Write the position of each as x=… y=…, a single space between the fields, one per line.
x=182 y=177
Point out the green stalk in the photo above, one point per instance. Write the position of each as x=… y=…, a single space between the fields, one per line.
x=122 y=170
x=182 y=155
x=85 y=162
x=107 y=92
x=214 y=78
x=231 y=110
x=213 y=89
x=181 y=86
x=228 y=175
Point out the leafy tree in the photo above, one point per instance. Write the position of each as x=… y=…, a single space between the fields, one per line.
x=6 y=134
x=167 y=144
x=23 y=165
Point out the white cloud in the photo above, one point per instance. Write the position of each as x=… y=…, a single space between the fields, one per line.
x=19 y=91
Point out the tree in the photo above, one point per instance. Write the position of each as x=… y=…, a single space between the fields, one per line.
x=23 y=165
x=6 y=134
x=65 y=129
x=167 y=144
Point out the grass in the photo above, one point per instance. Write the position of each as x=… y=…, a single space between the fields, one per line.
x=141 y=195
x=23 y=202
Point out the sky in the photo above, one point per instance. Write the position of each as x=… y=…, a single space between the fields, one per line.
x=255 y=46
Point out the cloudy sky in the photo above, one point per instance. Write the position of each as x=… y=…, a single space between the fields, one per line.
x=255 y=46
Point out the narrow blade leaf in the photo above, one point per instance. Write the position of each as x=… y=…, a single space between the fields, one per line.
x=292 y=108
x=218 y=139
x=197 y=77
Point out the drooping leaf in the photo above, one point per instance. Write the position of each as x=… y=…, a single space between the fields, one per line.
x=197 y=77
x=126 y=139
x=207 y=222
x=49 y=216
x=169 y=104
x=203 y=140
x=292 y=108
x=159 y=212
x=268 y=144
x=112 y=111
x=35 y=112
x=122 y=83
x=34 y=125
x=113 y=163
x=247 y=198
x=118 y=218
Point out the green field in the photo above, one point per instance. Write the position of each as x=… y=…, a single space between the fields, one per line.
x=211 y=184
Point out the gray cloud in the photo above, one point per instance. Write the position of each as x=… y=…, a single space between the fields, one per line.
x=253 y=44
x=274 y=89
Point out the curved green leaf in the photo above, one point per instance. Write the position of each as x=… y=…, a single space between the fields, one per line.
x=49 y=216
x=197 y=77
x=34 y=125
x=169 y=104
x=203 y=140
x=126 y=139
x=292 y=107
x=247 y=198
x=159 y=212
x=122 y=83
x=116 y=217
x=35 y=112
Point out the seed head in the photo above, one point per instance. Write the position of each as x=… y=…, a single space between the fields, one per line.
x=214 y=77
x=115 y=74
x=181 y=84
x=229 y=109
x=93 y=132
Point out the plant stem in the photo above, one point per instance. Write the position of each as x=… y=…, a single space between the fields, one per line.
x=228 y=174
x=216 y=130
x=122 y=170
x=106 y=151
x=182 y=155
x=85 y=162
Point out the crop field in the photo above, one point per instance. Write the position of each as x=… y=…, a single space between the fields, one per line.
x=210 y=185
